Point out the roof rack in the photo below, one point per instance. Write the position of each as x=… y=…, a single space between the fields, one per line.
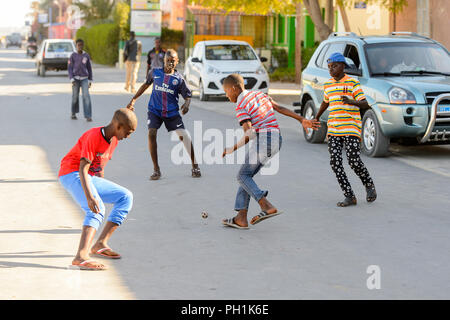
x=408 y=33
x=348 y=34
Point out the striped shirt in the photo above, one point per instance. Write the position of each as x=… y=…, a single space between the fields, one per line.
x=256 y=107
x=344 y=119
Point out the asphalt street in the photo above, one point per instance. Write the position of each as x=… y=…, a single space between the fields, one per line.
x=314 y=250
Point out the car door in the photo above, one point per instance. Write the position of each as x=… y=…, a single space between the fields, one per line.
x=197 y=66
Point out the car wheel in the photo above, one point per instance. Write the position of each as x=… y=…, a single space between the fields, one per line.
x=203 y=96
x=41 y=70
x=374 y=143
x=312 y=136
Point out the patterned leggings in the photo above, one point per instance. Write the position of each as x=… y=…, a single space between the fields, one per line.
x=352 y=148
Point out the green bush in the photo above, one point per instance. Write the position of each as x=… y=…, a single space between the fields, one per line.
x=281 y=56
x=283 y=75
x=307 y=54
x=101 y=42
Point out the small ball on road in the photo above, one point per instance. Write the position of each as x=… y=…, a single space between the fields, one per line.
x=204 y=214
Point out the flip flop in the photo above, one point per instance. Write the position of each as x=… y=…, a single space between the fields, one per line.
x=230 y=223
x=263 y=216
x=371 y=194
x=87 y=265
x=100 y=253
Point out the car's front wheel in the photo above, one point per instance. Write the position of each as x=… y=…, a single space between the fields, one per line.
x=203 y=96
x=374 y=142
x=313 y=136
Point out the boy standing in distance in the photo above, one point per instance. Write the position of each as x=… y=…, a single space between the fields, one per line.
x=80 y=74
x=345 y=97
x=254 y=111
x=155 y=57
x=163 y=107
x=82 y=175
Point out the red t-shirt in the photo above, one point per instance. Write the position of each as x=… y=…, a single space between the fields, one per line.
x=92 y=146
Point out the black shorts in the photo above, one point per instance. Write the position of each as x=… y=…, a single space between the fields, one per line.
x=172 y=123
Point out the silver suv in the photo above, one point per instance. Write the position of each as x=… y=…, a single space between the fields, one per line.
x=406 y=80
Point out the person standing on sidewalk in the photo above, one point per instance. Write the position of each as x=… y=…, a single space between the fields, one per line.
x=80 y=74
x=132 y=57
x=155 y=58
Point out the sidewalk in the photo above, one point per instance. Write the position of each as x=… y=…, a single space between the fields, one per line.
x=40 y=231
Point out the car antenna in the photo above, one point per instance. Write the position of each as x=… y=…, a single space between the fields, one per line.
x=360 y=33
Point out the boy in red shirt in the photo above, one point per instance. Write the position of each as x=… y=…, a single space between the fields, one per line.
x=82 y=175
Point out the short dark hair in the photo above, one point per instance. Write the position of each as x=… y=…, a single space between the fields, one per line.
x=171 y=53
x=79 y=41
x=234 y=79
x=132 y=34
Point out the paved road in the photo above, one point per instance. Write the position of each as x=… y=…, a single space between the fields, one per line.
x=315 y=250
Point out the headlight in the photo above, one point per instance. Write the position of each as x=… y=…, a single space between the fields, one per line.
x=401 y=96
x=213 y=70
x=261 y=70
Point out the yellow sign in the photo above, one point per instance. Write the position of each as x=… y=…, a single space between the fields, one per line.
x=206 y=37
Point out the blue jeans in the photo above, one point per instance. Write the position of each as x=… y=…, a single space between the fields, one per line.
x=104 y=191
x=84 y=84
x=260 y=152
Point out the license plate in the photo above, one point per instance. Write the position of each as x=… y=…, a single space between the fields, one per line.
x=444 y=109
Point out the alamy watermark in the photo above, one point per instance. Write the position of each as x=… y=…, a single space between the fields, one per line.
x=209 y=145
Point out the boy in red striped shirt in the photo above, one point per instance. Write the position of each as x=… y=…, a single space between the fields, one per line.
x=255 y=113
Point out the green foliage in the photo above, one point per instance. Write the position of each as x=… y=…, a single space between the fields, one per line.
x=122 y=19
x=101 y=42
x=286 y=7
x=281 y=56
x=307 y=54
x=283 y=75
x=96 y=11
x=172 y=36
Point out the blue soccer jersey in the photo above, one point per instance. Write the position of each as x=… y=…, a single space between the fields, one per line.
x=166 y=89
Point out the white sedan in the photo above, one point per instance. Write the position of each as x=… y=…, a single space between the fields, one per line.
x=212 y=61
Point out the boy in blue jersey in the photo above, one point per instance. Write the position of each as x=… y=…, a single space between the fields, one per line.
x=163 y=107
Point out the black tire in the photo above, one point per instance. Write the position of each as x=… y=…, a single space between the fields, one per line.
x=309 y=112
x=38 y=72
x=202 y=96
x=42 y=70
x=373 y=142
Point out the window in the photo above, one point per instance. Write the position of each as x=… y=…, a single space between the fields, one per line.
x=334 y=47
x=229 y=52
x=60 y=47
x=321 y=55
x=352 y=53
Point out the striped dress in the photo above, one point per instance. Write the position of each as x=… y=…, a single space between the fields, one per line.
x=256 y=107
x=344 y=119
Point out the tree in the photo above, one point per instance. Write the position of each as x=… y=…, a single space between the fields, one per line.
x=96 y=10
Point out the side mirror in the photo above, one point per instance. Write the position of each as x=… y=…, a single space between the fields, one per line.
x=263 y=59
x=196 y=60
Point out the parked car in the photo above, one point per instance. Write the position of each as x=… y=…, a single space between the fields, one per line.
x=211 y=61
x=402 y=74
x=14 y=40
x=53 y=54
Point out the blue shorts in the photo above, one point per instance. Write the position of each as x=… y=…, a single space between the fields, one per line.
x=172 y=123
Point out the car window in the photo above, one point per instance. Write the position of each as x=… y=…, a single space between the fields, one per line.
x=352 y=52
x=60 y=47
x=334 y=47
x=321 y=55
x=409 y=57
x=229 y=52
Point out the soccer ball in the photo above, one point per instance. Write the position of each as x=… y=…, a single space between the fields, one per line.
x=204 y=214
